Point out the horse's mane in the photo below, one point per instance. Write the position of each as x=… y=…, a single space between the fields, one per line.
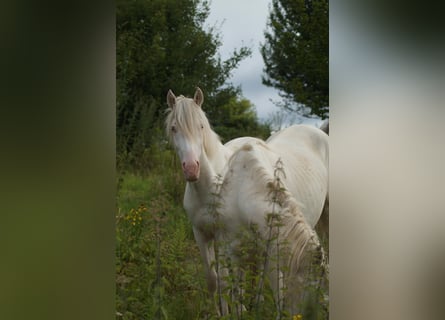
x=189 y=118
x=294 y=230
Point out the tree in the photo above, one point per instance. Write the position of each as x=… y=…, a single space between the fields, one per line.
x=296 y=54
x=161 y=45
x=235 y=116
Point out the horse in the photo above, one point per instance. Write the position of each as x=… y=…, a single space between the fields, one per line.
x=204 y=158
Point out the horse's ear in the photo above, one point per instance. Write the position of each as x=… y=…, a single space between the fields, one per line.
x=199 y=97
x=171 y=99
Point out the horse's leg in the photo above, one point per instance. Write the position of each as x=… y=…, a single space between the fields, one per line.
x=207 y=251
x=271 y=269
x=237 y=293
x=276 y=282
x=222 y=273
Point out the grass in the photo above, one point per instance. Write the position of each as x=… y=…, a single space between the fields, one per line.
x=158 y=265
x=159 y=272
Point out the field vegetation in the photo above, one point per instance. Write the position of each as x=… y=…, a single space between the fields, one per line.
x=159 y=272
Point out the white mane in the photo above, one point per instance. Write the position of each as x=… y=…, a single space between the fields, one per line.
x=189 y=118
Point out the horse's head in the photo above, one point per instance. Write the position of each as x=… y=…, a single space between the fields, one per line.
x=186 y=126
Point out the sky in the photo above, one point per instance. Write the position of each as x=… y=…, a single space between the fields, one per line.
x=242 y=23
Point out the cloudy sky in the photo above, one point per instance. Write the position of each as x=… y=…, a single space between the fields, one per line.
x=242 y=22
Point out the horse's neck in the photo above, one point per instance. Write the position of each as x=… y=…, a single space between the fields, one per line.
x=210 y=169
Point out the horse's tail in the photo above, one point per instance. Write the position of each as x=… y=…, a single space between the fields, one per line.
x=304 y=258
x=325 y=126
x=299 y=238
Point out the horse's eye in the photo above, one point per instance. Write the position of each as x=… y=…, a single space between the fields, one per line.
x=173 y=129
x=202 y=126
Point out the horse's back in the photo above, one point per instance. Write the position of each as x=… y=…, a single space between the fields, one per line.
x=304 y=152
x=300 y=137
x=237 y=143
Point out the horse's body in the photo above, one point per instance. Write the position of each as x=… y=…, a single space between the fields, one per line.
x=204 y=157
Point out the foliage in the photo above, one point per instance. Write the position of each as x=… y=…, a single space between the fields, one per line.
x=161 y=45
x=235 y=116
x=296 y=54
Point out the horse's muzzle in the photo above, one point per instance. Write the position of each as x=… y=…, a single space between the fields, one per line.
x=191 y=171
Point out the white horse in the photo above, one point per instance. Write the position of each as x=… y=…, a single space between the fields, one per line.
x=203 y=157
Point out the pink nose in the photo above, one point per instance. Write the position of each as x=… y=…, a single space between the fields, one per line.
x=191 y=170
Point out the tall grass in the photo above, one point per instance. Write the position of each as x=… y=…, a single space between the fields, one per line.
x=159 y=272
